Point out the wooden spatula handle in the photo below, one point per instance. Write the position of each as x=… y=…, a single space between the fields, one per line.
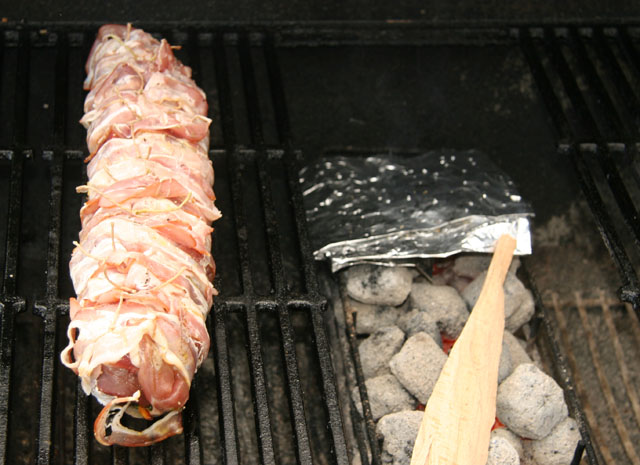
x=458 y=417
x=498 y=268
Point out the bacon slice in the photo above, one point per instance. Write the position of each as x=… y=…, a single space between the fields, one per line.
x=142 y=270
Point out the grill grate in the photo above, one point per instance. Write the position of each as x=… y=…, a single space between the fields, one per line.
x=588 y=80
x=270 y=309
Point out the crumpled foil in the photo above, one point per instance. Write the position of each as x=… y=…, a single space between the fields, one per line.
x=387 y=209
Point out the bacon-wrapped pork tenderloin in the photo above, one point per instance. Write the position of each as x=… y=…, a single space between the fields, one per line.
x=142 y=270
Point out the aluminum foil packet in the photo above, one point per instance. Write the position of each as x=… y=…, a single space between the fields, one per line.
x=389 y=209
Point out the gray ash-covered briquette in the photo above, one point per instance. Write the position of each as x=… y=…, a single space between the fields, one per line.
x=519 y=305
x=443 y=303
x=418 y=365
x=370 y=318
x=377 y=350
x=378 y=285
x=530 y=403
x=501 y=452
x=470 y=266
x=386 y=395
x=416 y=321
x=522 y=314
x=516 y=349
x=514 y=440
x=559 y=445
x=505 y=367
x=398 y=433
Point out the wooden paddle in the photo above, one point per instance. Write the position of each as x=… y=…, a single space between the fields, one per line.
x=459 y=415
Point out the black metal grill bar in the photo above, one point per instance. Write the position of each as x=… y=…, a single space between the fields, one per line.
x=369 y=423
x=585 y=118
x=620 y=193
x=277 y=92
x=7 y=316
x=61 y=90
x=234 y=303
x=229 y=437
x=10 y=304
x=6 y=333
x=560 y=122
x=620 y=81
x=263 y=422
x=271 y=224
x=242 y=231
x=2 y=46
x=57 y=166
x=329 y=388
x=630 y=291
x=308 y=265
x=19 y=139
x=194 y=55
x=192 y=450
x=81 y=436
x=250 y=91
x=20 y=111
x=189 y=416
x=224 y=91
x=119 y=455
x=237 y=303
x=13 y=224
x=156 y=455
x=49 y=358
x=612 y=114
x=303 y=446
x=47 y=310
x=629 y=49
x=55 y=218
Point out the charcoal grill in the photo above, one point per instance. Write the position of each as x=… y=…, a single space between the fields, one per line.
x=268 y=390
